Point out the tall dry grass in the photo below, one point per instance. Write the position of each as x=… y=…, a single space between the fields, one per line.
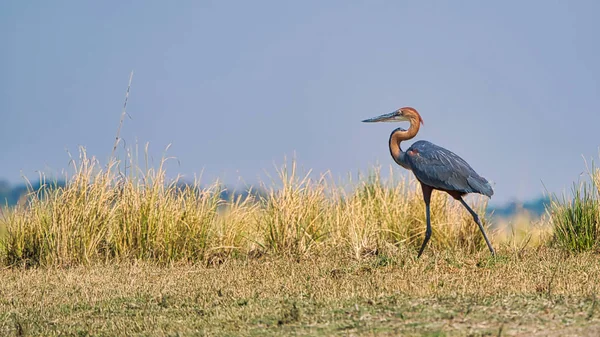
x=103 y=215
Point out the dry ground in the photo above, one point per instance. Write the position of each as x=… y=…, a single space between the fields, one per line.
x=531 y=292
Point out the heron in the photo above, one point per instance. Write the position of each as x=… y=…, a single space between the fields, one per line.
x=435 y=167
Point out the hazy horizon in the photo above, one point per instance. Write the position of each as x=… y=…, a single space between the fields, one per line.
x=511 y=87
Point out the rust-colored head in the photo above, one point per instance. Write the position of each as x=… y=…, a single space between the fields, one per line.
x=411 y=113
x=407 y=114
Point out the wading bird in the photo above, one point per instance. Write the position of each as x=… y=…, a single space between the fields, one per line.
x=435 y=167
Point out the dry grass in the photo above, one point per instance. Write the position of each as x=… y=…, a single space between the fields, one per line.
x=135 y=254
x=533 y=291
x=102 y=215
x=522 y=231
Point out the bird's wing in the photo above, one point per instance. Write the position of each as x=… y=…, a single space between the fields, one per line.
x=443 y=169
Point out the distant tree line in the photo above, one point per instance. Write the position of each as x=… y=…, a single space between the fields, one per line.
x=535 y=207
x=10 y=195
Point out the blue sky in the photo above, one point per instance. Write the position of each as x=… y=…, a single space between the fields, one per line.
x=234 y=86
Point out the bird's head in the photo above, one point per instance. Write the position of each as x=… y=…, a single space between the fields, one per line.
x=406 y=114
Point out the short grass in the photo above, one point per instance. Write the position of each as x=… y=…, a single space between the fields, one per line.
x=543 y=292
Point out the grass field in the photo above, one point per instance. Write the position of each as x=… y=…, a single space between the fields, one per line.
x=134 y=254
x=541 y=292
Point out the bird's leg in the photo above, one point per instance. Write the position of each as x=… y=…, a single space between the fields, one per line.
x=427 y=198
x=476 y=218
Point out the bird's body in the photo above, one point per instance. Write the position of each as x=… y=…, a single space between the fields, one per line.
x=444 y=170
x=435 y=167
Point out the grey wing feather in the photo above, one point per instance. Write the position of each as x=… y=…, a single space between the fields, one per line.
x=443 y=169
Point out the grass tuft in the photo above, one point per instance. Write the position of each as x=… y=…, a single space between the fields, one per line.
x=576 y=221
x=293 y=217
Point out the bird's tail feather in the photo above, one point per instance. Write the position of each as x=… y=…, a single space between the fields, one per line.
x=480 y=185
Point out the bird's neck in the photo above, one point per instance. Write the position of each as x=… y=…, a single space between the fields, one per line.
x=397 y=137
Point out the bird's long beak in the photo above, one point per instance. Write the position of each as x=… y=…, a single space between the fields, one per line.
x=391 y=117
